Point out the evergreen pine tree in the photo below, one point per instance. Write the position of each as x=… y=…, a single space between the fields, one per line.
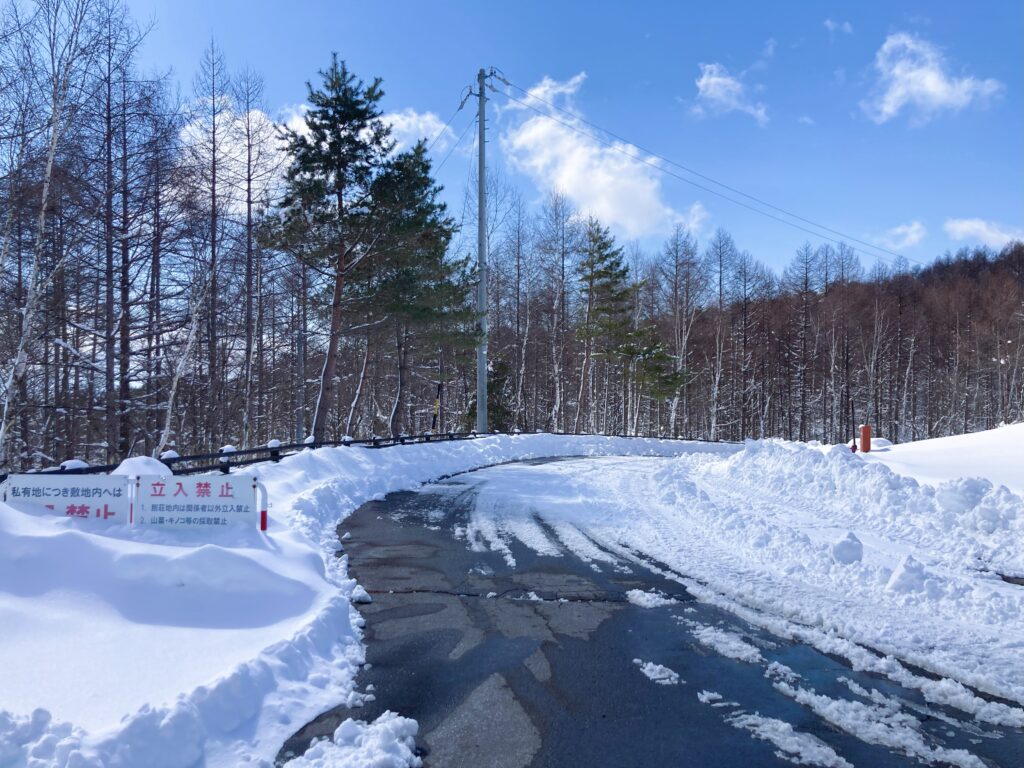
x=329 y=200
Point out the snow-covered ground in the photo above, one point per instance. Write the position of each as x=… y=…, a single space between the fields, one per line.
x=148 y=648
x=996 y=455
x=158 y=649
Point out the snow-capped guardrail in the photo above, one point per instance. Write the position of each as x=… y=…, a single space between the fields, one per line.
x=274 y=451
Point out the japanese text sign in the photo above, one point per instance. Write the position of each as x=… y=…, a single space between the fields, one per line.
x=88 y=499
x=196 y=502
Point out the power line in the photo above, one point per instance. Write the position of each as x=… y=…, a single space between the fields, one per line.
x=465 y=97
x=455 y=145
x=612 y=145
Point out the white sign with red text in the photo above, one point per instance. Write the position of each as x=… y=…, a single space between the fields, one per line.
x=200 y=502
x=88 y=499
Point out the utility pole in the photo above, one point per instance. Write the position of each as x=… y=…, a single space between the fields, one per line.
x=481 y=260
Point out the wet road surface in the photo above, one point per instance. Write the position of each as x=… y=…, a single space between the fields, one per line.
x=534 y=665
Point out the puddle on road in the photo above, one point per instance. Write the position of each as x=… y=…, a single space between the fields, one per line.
x=548 y=663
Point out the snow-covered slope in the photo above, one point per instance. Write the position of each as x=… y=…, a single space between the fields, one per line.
x=995 y=454
x=161 y=649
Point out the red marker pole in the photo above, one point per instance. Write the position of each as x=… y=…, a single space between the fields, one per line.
x=865 y=438
x=259 y=491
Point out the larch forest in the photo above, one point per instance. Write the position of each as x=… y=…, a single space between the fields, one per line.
x=177 y=270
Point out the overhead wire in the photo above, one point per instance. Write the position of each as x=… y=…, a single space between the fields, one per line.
x=875 y=251
x=454 y=146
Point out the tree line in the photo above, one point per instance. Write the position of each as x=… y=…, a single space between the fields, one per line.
x=177 y=270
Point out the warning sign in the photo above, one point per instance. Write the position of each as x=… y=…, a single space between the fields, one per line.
x=196 y=502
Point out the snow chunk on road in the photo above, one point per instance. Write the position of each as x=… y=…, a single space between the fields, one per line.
x=848 y=550
x=726 y=643
x=652 y=599
x=796 y=747
x=387 y=742
x=658 y=673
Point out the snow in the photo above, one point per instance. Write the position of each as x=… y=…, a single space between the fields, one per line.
x=650 y=599
x=168 y=649
x=848 y=550
x=994 y=454
x=725 y=643
x=657 y=673
x=879 y=724
x=812 y=543
x=139 y=466
x=796 y=747
x=387 y=742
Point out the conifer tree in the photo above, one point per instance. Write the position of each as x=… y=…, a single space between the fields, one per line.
x=334 y=163
x=421 y=295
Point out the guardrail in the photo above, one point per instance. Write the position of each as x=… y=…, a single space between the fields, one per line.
x=224 y=461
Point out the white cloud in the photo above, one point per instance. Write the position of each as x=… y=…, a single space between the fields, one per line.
x=903 y=236
x=409 y=126
x=912 y=74
x=617 y=184
x=547 y=91
x=806 y=120
x=293 y=117
x=978 y=230
x=719 y=92
x=838 y=26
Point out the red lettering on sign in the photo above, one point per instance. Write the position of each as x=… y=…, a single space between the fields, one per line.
x=202 y=489
x=180 y=491
x=157 y=489
x=77 y=510
x=226 y=492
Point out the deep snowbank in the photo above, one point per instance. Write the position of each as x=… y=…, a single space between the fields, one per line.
x=995 y=454
x=160 y=649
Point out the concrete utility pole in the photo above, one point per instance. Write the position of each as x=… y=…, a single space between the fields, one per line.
x=481 y=260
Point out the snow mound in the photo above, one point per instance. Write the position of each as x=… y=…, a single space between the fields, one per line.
x=911 y=576
x=387 y=742
x=848 y=550
x=138 y=466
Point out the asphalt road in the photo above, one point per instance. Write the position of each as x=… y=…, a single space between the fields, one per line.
x=534 y=665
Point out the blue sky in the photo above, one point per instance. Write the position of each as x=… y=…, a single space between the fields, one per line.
x=901 y=125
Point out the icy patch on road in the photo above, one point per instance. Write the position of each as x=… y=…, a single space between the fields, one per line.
x=796 y=747
x=658 y=673
x=387 y=742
